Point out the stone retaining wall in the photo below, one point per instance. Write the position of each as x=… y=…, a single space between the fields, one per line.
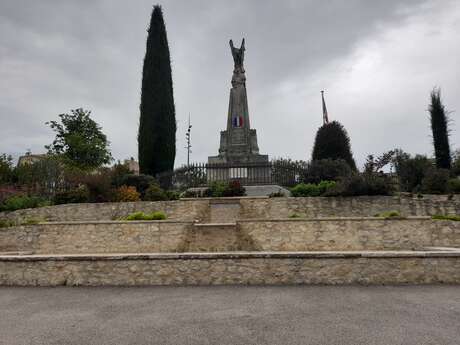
x=248 y=208
x=249 y=268
x=413 y=233
x=184 y=210
x=248 y=235
x=95 y=237
x=361 y=206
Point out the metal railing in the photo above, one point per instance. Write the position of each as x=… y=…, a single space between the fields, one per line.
x=203 y=174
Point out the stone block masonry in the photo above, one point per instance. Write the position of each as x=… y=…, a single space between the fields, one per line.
x=250 y=235
x=237 y=268
x=247 y=208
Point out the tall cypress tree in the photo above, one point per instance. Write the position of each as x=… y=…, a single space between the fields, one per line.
x=157 y=125
x=439 y=126
x=332 y=142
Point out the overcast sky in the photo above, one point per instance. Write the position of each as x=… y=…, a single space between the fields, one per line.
x=377 y=61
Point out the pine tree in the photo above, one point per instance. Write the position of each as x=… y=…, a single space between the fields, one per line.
x=439 y=126
x=332 y=142
x=157 y=125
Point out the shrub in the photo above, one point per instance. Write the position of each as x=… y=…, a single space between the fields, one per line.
x=333 y=142
x=158 y=215
x=126 y=194
x=435 y=181
x=453 y=185
x=141 y=182
x=223 y=189
x=155 y=193
x=410 y=171
x=326 y=169
x=362 y=184
x=74 y=196
x=21 y=202
x=234 y=188
x=305 y=189
x=172 y=195
x=310 y=189
x=217 y=189
x=99 y=187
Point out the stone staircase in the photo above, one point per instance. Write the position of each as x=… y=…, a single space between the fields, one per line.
x=219 y=232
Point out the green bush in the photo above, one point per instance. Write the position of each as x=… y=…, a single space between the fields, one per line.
x=435 y=181
x=172 y=195
x=310 y=189
x=362 y=184
x=141 y=182
x=158 y=215
x=217 y=189
x=234 y=188
x=226 y=189
x=305 y=189
x=21 y=202
x=453 y=185
x=411 y=170
x=74 y=196
x=155 y=193
x=326 y=170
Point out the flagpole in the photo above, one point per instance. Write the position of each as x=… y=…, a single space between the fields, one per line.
x=187 y=135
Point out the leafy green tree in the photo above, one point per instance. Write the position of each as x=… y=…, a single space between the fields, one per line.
x=410 y=170
x=6 y=169
x=439 y=126
x=157 y=125
x=79 y=140
x=333 y=142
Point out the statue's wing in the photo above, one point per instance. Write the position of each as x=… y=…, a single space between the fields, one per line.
x=231 y=44
x=242 y=45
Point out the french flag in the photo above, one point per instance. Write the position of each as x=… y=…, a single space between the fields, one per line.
x=238 y=121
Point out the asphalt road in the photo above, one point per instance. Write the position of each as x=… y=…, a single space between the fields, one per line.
x=354 y=315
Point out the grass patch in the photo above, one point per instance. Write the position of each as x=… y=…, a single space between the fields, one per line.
x=158 y=215
x=390 y=215
x=451 y=217
x=294 y=215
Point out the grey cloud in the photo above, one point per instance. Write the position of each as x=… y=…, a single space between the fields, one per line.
x=58 y=55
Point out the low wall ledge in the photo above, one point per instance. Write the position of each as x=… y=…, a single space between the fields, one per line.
x=300 y=219
x=235 y=255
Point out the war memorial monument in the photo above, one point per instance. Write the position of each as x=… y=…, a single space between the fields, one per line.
x=238 y=153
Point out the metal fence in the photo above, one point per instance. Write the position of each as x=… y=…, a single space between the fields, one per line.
x=203 y=174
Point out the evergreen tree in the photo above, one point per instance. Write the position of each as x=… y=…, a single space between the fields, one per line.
x=157 y=125
x=332 y=142
x=439 y=126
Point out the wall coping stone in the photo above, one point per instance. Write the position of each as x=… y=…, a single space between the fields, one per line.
x=89 y=222
x=225 y=198
x=233 y=255
x=267 y=220
x=204 y=225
